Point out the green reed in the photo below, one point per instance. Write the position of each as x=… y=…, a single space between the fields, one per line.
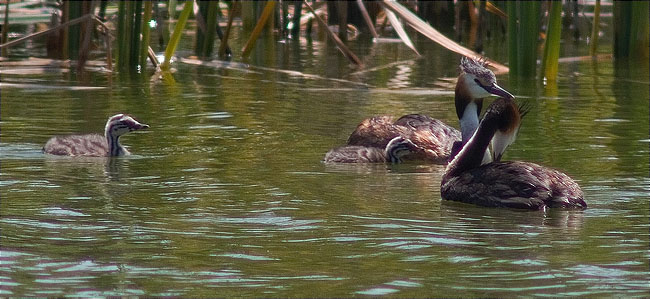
x=144 y=46
x=552 y=44
x=595 y=29
x=205 y=35
x=74 y=31
x=513 y=58
x=631 y=29
x=133 y=35
x=176 y=35
x=264 y=17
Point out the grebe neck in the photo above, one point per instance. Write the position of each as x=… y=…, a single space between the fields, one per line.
x=503 y=115
x=473 y=152
x=114 y=146
x=468 y=108
x=112 y=132
x=469 y=123
x=469 y=120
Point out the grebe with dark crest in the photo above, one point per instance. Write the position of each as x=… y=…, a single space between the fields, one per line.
x=511 y=184
x=475 y=82
x=397 y=148
x=95 y=145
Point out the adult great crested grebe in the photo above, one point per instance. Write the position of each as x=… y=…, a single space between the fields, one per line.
x=95 y=145
x=397 y=148
x=512 y=184
x=475 y=82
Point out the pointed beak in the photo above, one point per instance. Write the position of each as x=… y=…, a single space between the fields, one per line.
x=498 y=91
x=138 y=126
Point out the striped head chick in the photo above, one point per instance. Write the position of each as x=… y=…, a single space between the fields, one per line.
x=116 y=126
x=399 y=147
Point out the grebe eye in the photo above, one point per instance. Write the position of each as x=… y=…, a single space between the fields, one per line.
x=478 y=82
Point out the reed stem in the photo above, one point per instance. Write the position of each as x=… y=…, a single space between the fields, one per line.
x=136 y=28
x=144 y=46
x=552 y=45
x=223 y=47
x=340 y=45
x=268 y=10
x=595 y=29
x=208 y=44
x=176 y=36
x=75 y=30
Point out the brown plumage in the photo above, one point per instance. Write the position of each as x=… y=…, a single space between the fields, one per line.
x=432 y=135
x=474 y=83
x=394 y=151
x=515 y=184
x=375 y=132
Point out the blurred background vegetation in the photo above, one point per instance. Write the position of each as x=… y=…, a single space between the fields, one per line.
x=118 y=32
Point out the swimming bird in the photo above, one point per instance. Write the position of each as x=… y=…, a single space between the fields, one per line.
x=511 y=184
x=474 y=83
x=96 y=145
x=397 y=148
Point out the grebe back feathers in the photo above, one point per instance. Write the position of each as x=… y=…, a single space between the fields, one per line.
x=474 y=83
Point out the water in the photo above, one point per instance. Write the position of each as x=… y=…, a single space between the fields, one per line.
x=226 y=196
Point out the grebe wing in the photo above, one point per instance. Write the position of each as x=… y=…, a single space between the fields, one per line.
x=375 y=132
x=436 y=138
x=414 y=120
x=355 y=154
x=513 y=184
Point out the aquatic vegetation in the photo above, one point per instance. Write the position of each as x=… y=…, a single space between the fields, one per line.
x=530 y=24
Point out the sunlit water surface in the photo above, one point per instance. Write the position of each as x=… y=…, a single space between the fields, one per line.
x=226 y=195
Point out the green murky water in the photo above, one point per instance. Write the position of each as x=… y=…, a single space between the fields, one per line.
x=226 y=195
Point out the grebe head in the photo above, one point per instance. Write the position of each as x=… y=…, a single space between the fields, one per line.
x=399 y=147
x=120 y=124
x=507 y=132
x=478 y=80
x=475 y=82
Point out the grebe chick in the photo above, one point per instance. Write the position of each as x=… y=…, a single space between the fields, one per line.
x=95 y=145
x=512 y=184
x=474 y=83
x=397 y=148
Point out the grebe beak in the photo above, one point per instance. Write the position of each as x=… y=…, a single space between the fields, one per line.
x=498 y=91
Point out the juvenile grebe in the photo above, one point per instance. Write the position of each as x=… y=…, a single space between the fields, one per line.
x=510 y=184
x=475 y=82
x=96 y=145
x=397 y=148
